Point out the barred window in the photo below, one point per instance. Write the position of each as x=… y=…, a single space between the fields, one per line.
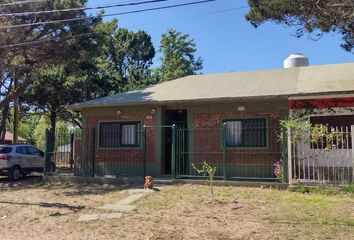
x=341 y=125
x=246 y=132
x=129 y=136
x=119 y=134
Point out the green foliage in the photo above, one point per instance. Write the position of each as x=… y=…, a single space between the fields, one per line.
x=178 y=56
x=53 y=88
x=30 y=125
x=323 y=190
x=302 y=130
x=33 y=62
x=132 y=54
x=39 y=132
x=209 y=171
x=57 y=73
x=349 y=188
x=301 y=189
x=308 y=16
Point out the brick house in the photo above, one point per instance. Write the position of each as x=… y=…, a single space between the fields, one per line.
x=230 y=117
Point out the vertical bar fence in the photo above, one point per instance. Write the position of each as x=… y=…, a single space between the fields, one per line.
x=328 y=160
x=248 y=153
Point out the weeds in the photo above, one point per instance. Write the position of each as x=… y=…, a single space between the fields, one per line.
x=348 y=188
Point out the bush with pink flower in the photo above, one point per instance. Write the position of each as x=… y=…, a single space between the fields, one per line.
x=278 y=170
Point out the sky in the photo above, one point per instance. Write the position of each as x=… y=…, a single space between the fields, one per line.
x=225 y=40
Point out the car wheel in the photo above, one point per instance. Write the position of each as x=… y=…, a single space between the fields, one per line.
x=15 y=173
x=52 y=167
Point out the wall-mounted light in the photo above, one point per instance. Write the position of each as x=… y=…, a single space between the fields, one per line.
x=153 y=111
x=241 y=108
x=118 y=112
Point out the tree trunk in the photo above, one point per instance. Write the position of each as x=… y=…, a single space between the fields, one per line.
x=4 y=114
x=53 y=121
x=52 y=139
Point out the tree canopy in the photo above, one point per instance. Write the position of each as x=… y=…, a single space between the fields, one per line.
x=308 y=16
x=178 y=56
x=24 y=61
x=60 y=63
x=127 y=60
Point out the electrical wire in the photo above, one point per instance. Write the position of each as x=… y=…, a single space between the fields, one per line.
x=106 y=15
x=48 y=40
x=95 y=32
x=112 y=5
x=192 y=16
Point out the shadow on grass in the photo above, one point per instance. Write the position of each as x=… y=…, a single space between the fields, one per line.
x=47 y=205
x=28 y=181
x=90 y=189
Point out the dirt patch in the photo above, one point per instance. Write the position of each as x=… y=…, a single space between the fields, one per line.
x=43 y=211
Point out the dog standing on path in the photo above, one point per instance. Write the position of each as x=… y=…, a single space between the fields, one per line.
x=148 y=183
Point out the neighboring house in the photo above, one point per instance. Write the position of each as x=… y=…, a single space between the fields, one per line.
x=248 y=104
x=9 y=137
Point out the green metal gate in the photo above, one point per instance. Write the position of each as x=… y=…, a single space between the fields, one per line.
x=63 y=149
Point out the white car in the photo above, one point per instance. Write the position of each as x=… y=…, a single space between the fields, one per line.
x=18 y=160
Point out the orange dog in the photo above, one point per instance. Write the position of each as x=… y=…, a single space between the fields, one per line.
x=148 y=183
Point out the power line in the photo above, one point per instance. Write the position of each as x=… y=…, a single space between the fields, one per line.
x=96 y=32
x=21 y=2
x=192 y=16
x=81 y=8
x=48 y=40
x=106 y=15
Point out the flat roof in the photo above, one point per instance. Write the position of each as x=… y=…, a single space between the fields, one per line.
x=321 y=79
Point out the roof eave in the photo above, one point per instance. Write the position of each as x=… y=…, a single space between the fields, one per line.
x=201 y=100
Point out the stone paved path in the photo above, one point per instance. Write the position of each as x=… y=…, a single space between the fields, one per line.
x=117 y=208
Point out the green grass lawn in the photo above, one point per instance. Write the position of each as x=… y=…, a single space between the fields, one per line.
x=255 y=213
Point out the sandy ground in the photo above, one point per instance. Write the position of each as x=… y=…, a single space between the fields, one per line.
x=36 y=210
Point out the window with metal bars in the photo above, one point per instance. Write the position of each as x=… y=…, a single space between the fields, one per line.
x=341 y=125
x=119 y=134
x=246 y=133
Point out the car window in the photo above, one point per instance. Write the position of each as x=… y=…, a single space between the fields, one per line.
x=33 y=151
x=4 y=150
x=21 y=150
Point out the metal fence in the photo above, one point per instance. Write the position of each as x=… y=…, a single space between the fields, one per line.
x=113 y=151
x=63 y=149
x=328 y=160
x=124 y=150
x=237 y=153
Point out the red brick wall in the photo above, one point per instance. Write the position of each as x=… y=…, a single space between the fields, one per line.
x=126 y=155
x=208 y=140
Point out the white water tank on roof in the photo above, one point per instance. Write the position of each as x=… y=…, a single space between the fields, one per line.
x=296 y=60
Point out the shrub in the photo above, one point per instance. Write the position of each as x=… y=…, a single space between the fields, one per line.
x=209 y=171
